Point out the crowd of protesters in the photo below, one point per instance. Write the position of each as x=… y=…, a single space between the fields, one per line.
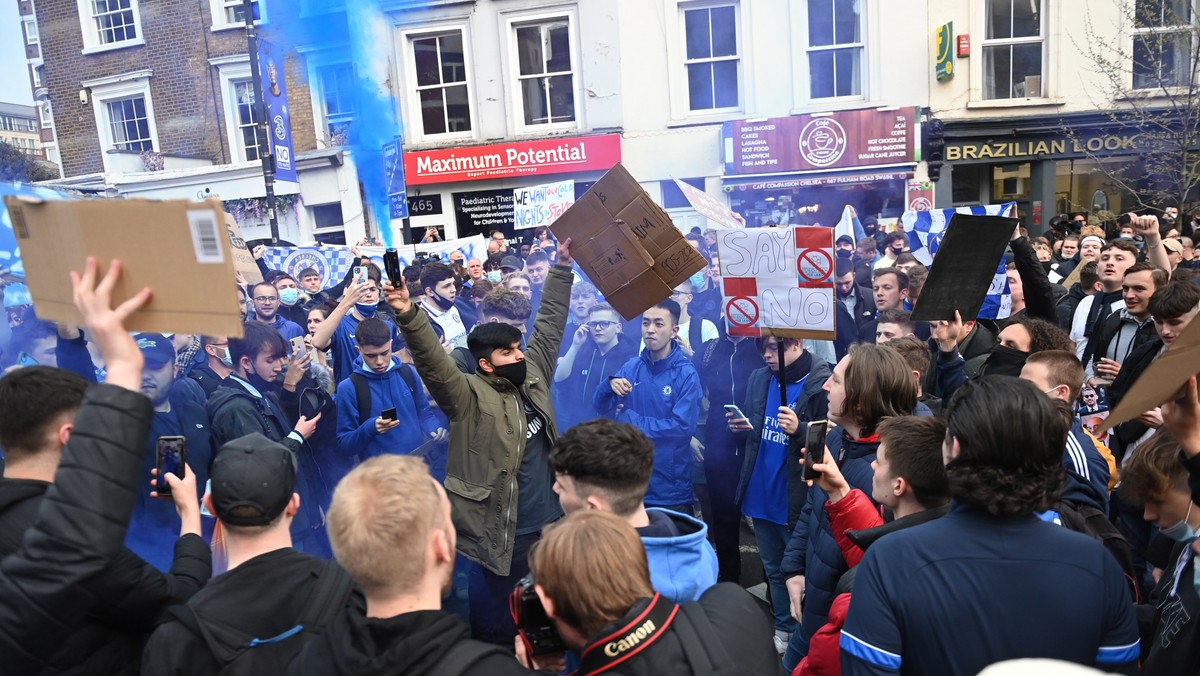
x=483 y=468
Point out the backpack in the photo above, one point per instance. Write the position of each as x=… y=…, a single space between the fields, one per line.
x=256 y=656
x=464 y=655
x=701 y=645
x=1089 y=520
x=362 y=390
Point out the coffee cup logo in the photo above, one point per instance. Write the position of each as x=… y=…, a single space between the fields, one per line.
x=822 y=142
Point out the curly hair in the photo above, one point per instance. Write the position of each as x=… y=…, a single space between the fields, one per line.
x=1003 y=468
x=1043 y=335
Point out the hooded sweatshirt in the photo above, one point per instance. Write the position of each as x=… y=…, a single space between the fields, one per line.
x=412 y=644
x=388 y=390
x=665 y=405
x=683 y=565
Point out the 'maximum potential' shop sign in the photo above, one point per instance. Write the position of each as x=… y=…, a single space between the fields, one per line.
x=822 y=141
x=565 y=155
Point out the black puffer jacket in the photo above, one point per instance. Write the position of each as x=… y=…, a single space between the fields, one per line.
x=81 y=524
x=129 y=595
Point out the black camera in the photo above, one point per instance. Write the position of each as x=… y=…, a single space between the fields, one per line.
x=533 y=624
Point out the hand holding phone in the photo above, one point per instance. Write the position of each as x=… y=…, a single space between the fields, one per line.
x=299 y=346
x=736 y=420
x=814 y=448
x=388 y=413
x=391 y=265
x=360 y=274
x=170 y=457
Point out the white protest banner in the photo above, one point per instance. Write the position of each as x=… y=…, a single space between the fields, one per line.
x=333 y=262
x=541 y=204
x=778 y=281
x=710 y=207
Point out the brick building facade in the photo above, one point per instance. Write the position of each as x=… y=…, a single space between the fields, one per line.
x=134 y=76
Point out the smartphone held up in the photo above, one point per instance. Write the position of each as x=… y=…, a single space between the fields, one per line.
x=171 y=458
x=814 y=448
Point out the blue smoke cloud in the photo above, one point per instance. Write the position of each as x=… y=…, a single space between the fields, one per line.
x=363 y=30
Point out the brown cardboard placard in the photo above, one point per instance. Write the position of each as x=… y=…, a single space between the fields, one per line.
x=626 y=244
x=243 y=260
x=174 y=247
x=1161 y=381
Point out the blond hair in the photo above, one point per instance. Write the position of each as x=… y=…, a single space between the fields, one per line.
x=592 y=566
x=379 y=522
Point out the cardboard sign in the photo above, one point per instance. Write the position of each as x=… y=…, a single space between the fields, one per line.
x=243 y=260
x=174 y=247
x=1162 y=381
x=778 y=282
x=965 y=272
x=626 y=244
x=542 y=204
x=709 y=207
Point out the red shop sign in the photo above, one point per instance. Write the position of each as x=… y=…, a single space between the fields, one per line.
x=566 y=155
x=851 y=138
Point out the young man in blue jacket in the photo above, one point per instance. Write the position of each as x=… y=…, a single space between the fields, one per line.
x=659 y=393
x=991 y=581
x=386 y=383
x=606 y=465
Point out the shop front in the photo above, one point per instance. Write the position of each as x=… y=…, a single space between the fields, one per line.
x=805 y=169
x=1048 y=166
x=468 y=190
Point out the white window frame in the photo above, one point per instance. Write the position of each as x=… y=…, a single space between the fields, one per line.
x=742 y=50
x=1145 y=31
x=46 y=113
x=510 y=24
x=414 y=129
x=116 y=87
x=31 y=31
x=320 y=109
x=231 y=71
x=220 y=17
x=804 y=70
x=1042 y=38
x=91 y=39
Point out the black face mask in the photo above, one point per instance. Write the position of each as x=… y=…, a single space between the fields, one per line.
x=1005 y=361
x=259 y=383
x=845 y=253
x=513 y=373
x=441 y=301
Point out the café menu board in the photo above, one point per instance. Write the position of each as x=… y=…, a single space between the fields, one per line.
x=841 y=140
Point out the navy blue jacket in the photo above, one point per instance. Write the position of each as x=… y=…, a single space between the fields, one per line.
x=665 y=405
x=813 y=550
x=961 y=592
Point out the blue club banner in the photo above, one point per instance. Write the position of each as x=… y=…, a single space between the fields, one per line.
x=279 y=121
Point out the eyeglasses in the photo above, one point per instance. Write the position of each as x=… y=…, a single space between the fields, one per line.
x=267 y=299
x=600 y=324
x=677 y=294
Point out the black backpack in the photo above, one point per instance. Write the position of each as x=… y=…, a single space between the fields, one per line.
x=362 y=390
x=258 y=656
x=701 y=645
x=1087 y=519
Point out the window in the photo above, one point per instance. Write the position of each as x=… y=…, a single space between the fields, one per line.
x=232 y=13
x=835 y=48
x=246 y=120
x=31 y=31
x=1162 y=44
x=441 y=77
x=124 y=113
x=545 y=72
x=337 y=98
x=1013 y=49
x=109 y=24
x=47 y=115
x=711 y=57
x=37 y=76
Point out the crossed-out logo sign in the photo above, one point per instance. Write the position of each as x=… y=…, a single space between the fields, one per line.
x=302 y=260
x=822 y=141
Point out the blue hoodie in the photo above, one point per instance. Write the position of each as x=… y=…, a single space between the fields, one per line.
x=665 y=406
x=683 y=565
x=388 y=389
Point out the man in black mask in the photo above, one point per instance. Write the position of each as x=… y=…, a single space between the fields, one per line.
x=502 y=426
x=1023 y=336
x=245 y=403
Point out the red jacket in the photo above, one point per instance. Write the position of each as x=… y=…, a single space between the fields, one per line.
x=853 y=512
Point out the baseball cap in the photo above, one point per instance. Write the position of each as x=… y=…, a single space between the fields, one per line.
x=253 y=479
x=1173 y=245
x=510 y=263
x=157 y=349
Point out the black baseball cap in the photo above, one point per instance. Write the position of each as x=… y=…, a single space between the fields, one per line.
x=157 y=349
x=253 y=479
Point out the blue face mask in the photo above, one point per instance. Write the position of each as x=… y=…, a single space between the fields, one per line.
x=494 y=276
x=1180 y=532
x=697 y=280
x=366 y=311
x=289 y=297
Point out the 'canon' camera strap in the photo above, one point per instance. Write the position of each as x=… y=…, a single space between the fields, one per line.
x=632 y=638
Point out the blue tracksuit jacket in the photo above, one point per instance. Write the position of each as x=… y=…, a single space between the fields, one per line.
x=359 y=437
